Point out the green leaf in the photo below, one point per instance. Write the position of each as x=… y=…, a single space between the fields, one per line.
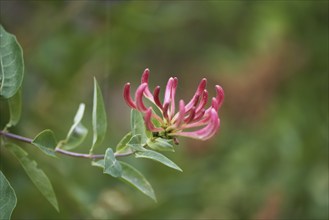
x=135 y=143
x=38 y=177
x=99 y=119
x=122 y=146
x=137 y=180
x=153 y=155
x=77 y=132
x=8 y=198
x=161 y=144
x=138 y=125
x=46 y=142
x=98 y=163
x=132 y=176
x=11 y=64
x=15 y=109
x=111 y=165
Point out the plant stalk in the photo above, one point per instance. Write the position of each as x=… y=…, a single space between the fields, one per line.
x=59 y=150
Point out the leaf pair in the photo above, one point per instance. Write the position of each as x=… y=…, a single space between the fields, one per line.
x=125 y=172
x=78 y=131
x=46 y=140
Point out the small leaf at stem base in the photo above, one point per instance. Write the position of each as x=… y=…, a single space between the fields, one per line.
x=46 y=142
x=111 y=165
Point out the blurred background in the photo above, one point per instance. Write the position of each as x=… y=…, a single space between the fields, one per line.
x=270 y=158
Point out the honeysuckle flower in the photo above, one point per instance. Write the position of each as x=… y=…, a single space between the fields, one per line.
x=192 y=119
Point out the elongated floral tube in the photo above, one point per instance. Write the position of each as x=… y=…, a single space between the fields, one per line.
x=190 y=117
x=145 y=79
x=181 y=114
x=172 y=97
x=148 y=123
x=127 y=97
x=168 y=91
x=203 y=101
x=206 y=132
x=201 y=87
x=139 y=97
x=156 y=97
x=219 y=96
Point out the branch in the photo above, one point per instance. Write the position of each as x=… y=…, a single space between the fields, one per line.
x=61 y=151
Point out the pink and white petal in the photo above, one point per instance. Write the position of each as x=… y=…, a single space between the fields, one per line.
x=202 y=85
x=190 y=117
x=156 y=98
x=199 y=115
x=139 y=97
x=148 y=121
x=196 y=100
x=127 y=97
x=172 y=97
x=219 y=95
x=165 y=111
x=145 y=79
x=205 y=132
x=203 y=101
x=198 y=123
x=180 y=115
x=167 y=95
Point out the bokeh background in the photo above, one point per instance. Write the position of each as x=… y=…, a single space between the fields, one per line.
x=270 y=158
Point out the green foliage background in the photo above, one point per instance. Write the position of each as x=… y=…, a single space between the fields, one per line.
x=270 y=158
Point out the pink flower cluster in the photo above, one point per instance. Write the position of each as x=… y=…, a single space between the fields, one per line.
x=191 y=120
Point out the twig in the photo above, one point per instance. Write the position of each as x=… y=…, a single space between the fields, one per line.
x=61 y=151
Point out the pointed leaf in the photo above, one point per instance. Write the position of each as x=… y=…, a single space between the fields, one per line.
x=46 y=142
x=8 y=198
x=153 y=155
x=11 y=64
x=111 y=165
x=132 y=176
x=122 y=146
x=38 y=177
x=15 y=109
x=138 y=125
x=135 y=143
x=137 y=180
x=77 y=132
x=161 y=144
x=98 y=117
x=98 y=163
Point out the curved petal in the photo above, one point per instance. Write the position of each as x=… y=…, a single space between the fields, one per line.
x=139 y=97
x=127 y=97
x=172 y=97
x=165 y=110
x=148 y=121
x=190 y=117
x=167 y=95
x=203 y=101
x=156 y=97
x=145 y=79
x=180 y=114
x=219 y=95
x=201 y=87
x=205 y=132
